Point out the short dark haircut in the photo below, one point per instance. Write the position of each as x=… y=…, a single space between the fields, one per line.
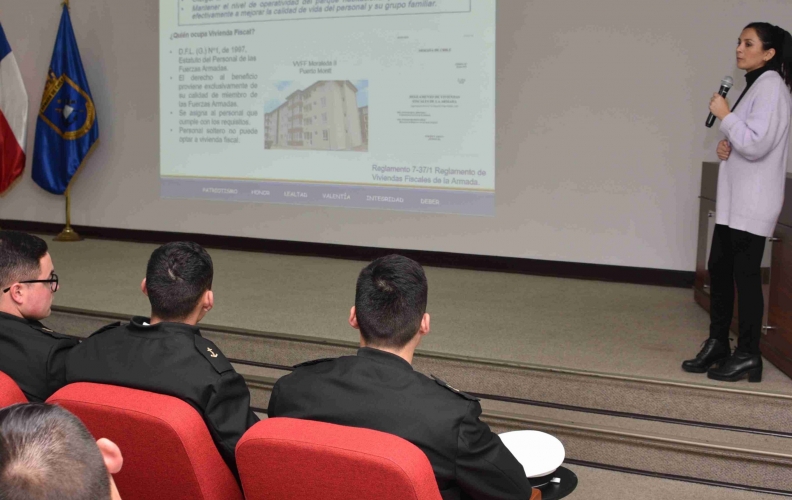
x=177 y=276
x=390 y=300
x=46 y=453
x=20 y=256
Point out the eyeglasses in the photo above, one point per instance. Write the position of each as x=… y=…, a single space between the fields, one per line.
x=53 y=281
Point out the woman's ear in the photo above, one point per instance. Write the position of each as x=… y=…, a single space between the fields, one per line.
x=111 y=455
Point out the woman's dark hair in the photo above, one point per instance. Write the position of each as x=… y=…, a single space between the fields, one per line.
x=775 y=37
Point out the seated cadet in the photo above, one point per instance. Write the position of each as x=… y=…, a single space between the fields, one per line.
x=378 y=389
x=46 y=453
x=32 y=355
x=166 y=353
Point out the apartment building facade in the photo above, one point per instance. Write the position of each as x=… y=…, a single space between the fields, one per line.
x=323 y=116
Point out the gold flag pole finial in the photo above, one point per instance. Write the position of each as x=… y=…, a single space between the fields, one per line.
x=68 y=234
x=66 y=3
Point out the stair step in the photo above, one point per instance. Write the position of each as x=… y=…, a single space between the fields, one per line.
x=739 y=405
x=719 y=455
x=680 y=450
x=600 y=484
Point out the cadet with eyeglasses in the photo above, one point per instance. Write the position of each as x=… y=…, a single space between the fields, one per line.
x=30 y=353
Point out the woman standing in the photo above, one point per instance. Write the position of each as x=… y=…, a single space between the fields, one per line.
x=750 y=195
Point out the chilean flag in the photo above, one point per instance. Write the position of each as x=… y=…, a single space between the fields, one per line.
x=13 y=116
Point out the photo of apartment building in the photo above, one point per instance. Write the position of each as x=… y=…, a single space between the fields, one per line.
x=323 y=116
x=363 y=110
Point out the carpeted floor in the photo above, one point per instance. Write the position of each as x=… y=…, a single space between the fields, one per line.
x=615 y=328
x=599 y=484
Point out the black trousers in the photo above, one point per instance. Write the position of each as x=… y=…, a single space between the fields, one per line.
x=736 y=257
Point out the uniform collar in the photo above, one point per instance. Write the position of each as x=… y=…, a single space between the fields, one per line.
x=384 y=357
x=137 y=324
x=29 y=322
x=32 y=323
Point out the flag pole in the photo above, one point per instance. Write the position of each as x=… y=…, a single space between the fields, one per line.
x=68 y=234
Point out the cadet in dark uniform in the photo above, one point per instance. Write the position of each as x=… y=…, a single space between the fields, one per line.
x=378 y=389
x=31 y=354
x=167 y=354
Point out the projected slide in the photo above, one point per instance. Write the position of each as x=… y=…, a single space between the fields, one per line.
x=350 y=103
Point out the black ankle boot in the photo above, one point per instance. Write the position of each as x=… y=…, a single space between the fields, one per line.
x=736 y=367
x=713 y=351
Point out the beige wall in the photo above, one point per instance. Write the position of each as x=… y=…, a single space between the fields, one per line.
x=599 y=144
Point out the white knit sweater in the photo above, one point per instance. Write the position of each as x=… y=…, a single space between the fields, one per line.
x=751 y=181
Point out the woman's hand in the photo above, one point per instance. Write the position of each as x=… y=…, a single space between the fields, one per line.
x=724 y=149
x=718 y=106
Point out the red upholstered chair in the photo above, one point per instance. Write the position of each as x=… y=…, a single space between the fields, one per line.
x=284 y=458
x=10 y=393
x=168 y=452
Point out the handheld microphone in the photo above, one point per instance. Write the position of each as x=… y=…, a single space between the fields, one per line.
x=726 y=84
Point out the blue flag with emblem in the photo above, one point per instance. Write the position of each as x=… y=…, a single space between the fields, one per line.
x=66 y=130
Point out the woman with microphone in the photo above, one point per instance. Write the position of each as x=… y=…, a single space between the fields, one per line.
x=750 y=196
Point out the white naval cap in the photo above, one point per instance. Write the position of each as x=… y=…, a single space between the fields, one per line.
x=539 y=453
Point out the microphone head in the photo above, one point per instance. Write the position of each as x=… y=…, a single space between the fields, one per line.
x=727 y=82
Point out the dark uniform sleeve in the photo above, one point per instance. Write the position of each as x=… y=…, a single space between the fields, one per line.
x=228 y=414
x=272 y=409
x=56 y=364
x=485 y=468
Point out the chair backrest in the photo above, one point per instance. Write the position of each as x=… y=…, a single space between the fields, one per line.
x=10 y=393
x=285 y=458
x=167 y=449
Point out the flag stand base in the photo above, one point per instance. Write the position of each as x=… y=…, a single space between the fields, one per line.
x=68 y=234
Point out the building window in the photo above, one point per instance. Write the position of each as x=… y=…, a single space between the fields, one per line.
x=324 y=102
x=325 y=135
x=324 y=118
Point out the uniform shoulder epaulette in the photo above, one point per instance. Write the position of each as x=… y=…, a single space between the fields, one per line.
x=105 y=328
x=313 y=362
x=53 y=333
x=443 y=383
x=212 y=354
